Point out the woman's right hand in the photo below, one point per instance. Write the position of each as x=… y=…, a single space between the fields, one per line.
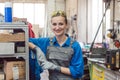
x=31 y=45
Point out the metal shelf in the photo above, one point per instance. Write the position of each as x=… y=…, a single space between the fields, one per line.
x=17 y=55
x=25 y=55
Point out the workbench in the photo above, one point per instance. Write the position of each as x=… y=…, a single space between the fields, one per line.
x=98 y=70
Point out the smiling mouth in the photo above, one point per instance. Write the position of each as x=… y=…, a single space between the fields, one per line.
x=58 y=31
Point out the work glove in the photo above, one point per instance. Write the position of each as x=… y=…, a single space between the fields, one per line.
x=43 y=61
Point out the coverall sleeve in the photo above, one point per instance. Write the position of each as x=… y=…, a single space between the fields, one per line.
x=42 y=43
x=77 y=64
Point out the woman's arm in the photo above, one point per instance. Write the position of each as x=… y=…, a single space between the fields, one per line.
x=77 y=64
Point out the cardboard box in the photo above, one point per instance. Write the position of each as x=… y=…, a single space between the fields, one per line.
x=7 y=48
x=20 y=49
x=12 y=37
x=14 y=69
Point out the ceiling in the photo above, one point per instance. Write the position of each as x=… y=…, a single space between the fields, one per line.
x=24 y=1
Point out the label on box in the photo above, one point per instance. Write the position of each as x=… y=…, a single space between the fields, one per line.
x=2 y=76
x=15 y=73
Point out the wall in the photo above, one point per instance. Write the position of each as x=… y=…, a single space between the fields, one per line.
x=71 y=12
x=53 y=5
x=115 y=20
x=69 y=6
x=82 y=20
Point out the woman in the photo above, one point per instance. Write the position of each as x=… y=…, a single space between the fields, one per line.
x=64 y=55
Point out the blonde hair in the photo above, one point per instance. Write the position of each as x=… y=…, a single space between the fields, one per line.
x=59 y=13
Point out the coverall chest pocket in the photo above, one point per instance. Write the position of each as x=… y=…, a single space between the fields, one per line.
x=60 y=55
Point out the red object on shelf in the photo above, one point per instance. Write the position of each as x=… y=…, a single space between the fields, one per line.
x=117 y=43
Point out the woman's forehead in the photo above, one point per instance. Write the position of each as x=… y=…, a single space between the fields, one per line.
x=58 y=18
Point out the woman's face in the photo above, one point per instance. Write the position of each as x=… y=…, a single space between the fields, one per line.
x=58 y=25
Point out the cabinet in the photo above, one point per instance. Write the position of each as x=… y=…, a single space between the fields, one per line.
x=99 y=71
x=14 y=51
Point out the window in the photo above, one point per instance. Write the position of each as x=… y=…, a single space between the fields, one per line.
x=18 y=10
x=34 y=12
x=2 y=8
x=95 y=15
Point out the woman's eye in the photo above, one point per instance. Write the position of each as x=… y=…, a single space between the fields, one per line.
x=54 y=24
x=60 y=24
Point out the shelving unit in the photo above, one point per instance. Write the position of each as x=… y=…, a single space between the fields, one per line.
x=13 y=39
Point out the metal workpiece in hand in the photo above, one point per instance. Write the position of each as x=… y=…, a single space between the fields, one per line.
x=43 y=61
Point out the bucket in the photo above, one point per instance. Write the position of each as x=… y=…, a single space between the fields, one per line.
x=8 y=12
